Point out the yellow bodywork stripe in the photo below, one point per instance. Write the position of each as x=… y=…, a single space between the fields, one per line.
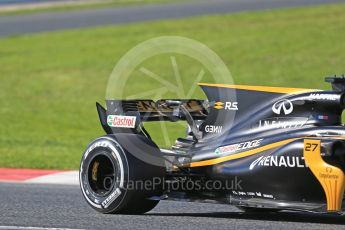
x=263 y=88
x=331 y=178
x=240 y=155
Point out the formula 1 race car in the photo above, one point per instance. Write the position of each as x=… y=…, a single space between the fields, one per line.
x=257 y=148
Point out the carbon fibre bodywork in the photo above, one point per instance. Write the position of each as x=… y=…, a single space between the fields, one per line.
x=256 y=136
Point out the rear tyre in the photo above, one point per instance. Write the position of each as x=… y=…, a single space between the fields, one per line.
x=141 y=207
x=114 y=181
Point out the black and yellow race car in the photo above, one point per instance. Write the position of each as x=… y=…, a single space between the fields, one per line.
x=258 y=148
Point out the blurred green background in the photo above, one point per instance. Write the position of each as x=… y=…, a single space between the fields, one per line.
x=51 y=81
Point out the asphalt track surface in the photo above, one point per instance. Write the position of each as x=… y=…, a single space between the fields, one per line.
x=43 y=22
x=14 y=2
x=53 y=206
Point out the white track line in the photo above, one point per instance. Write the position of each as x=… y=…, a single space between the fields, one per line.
x=65 y=178
x=33 y=228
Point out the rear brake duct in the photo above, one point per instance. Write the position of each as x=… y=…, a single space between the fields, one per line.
x=330 y=177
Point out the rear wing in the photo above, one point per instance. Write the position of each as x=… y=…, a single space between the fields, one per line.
x=126 y=115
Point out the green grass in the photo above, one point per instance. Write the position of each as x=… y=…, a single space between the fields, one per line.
x=82 y=6
x=49 y=83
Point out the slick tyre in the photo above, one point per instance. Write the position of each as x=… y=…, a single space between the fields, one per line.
x=114 y=181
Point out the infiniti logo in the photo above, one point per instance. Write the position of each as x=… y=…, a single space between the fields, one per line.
x=283 y=105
